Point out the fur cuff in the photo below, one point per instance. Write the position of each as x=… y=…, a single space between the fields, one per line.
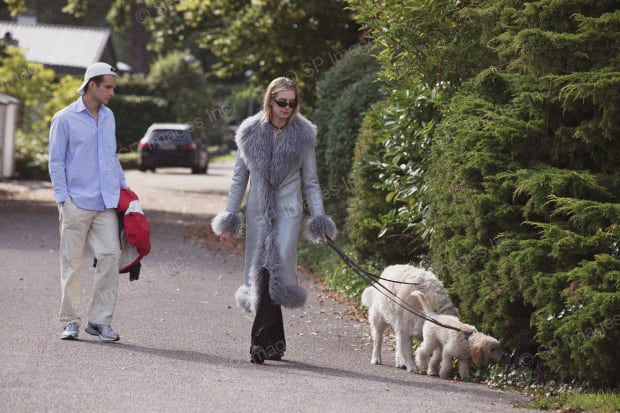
x=286 y=295
x=226 y=222
x=244 y=298
x=319 y=226
x=289 y=296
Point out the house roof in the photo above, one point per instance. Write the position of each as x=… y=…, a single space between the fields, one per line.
x=74 y=48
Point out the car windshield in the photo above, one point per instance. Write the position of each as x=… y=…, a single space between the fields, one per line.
x=174 y=136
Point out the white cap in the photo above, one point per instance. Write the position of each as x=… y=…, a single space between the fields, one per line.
x=96 y=69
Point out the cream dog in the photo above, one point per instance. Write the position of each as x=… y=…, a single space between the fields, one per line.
x=440 y=344
x=407 y=326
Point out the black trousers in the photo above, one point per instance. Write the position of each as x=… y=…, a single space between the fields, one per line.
x=268 y=327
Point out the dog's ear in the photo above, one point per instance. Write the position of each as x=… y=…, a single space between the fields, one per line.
x=417 y=300
x=477 y=356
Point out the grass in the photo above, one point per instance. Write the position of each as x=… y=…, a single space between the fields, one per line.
x=222 y=158
x=319 y=259
x=569 y=401
x=595 y=402
x=129 y=160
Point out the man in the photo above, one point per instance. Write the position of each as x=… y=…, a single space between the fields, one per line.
x=87 y=177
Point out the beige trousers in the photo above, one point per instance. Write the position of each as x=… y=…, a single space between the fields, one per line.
x=78 y=225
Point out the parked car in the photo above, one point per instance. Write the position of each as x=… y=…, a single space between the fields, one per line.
x=172 y=144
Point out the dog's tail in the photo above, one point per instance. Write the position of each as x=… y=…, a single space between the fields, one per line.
x=419 y=301
x=367 y=296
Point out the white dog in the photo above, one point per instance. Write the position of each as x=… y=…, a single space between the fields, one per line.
x=440 y=344
x=407 y=326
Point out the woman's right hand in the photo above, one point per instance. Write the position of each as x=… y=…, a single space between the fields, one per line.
x=226 y=239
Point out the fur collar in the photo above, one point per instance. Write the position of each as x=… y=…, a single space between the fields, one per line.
x=273 y=158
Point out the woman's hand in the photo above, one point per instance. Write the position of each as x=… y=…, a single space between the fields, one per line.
x=325 y=238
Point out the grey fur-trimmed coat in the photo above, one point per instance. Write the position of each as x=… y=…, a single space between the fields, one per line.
x=279 y=170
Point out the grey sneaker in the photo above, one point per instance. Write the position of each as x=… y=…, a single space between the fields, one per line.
x=71 y=331
x=103 y=331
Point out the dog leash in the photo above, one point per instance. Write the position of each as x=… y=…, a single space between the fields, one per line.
x=358 y=268
x=373 y=280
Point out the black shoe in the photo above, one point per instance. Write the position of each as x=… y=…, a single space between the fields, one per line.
x=274 y=356
x=259 y=354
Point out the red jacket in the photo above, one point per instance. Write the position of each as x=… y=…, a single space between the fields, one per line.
x=135 y=233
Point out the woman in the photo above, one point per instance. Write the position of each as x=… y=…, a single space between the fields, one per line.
x=276 y=154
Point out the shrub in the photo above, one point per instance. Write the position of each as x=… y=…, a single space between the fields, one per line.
x=134 y=114
x=519 y=171
x=345 y=93
x=373 y=232
x=31 y=157
x=181 y=82
x=525 y=188
x=134 y=85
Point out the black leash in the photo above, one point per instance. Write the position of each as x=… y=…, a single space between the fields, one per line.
x=358 y=268
x=373 y=280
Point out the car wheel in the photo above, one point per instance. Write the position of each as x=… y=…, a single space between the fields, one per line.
x=200 y=169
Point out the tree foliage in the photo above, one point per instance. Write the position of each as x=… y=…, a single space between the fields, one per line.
x=29 y=83
x=260 y=40
x=40 y=96
x=179 y=79
x=257 y=40
x=294 y=38
x=525 y=183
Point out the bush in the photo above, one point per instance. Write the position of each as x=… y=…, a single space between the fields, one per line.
x=134 y=114
x=181 y=82
x=519 y=177
x=320 y=260
x=208 y=107
x=372 y=231
x=31 y=157
x=524 y=192
x=128 y=160
x=134 y=85
x=135 y=107
x=345 y=93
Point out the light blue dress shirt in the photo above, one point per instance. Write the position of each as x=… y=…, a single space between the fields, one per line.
x=83 y=163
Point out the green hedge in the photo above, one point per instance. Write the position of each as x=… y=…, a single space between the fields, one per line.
x=134 y=114
x=526 y=208
x=345 y=93
x=373 y=232
x=518 y=166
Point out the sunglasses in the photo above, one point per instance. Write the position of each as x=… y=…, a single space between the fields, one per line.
x=283 y=103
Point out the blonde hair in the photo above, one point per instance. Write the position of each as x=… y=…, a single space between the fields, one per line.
x=276 y=86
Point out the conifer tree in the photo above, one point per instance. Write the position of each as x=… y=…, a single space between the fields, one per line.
x=525 y=187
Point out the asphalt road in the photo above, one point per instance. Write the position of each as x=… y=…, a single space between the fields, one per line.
x=184 y=345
